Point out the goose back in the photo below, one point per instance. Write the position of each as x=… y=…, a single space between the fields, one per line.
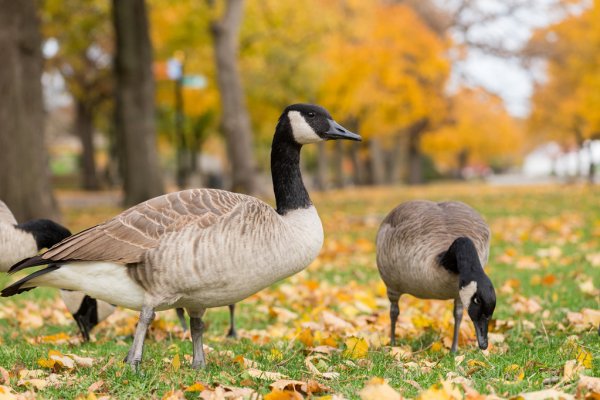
x=196 y=247
x=412 y=237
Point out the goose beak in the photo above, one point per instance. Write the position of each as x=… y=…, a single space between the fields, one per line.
x=336 y=131
x=481 y=330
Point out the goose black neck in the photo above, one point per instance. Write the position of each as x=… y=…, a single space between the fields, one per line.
x=462 y=259
x=290 y=193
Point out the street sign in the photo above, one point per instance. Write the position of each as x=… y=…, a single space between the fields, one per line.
x=194 y=81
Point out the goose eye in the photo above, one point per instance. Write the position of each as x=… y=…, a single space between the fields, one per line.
x=311 y=114
x=476 y=300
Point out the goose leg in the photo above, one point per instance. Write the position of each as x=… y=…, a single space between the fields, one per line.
x=458 y=315
x=394 y=312
x=197 y=329
x=232 y=333
x=182 y=321
x=137 y=347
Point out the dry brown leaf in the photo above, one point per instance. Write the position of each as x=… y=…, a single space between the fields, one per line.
x=335 y=323
x=6 y=393
x=94 y=387
x=306 y=387
x=588 y=384
x=4 y=375
x=571 y=370
x=37 y=384
x=547 y=394
x=82 y=361
x=265 y=375
x=378 y=389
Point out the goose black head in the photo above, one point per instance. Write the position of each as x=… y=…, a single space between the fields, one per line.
x=309 y=123
x=46 y=233
x=479 y=298
x=476 y=291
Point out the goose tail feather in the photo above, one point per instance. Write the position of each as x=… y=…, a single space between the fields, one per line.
x=21 y=286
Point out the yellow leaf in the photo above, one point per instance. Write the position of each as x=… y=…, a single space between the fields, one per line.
x=306 y=337
x=436 y=346
x=356 y=347
x=57 y=338
x=196 y=387
x=515 y=371
x=283 y=395
x=176 y=363
x=46 y=363
x=584 y=358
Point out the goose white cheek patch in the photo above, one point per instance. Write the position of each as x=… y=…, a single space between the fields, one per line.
x=302 y=131
x=466 y=293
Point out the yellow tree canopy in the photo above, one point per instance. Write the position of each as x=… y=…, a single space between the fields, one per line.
x=385 y=68
x=567 y=105
x=481 y=130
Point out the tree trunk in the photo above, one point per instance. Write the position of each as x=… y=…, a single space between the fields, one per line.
x=321 y=178
x=415 y=158
x=134 y=107
x=235 y=121
x=377 y=162
x=357 y=167
x=395 y=158
x=462 y=157
x=24 y=173
x=338 y=164
x=84 y=128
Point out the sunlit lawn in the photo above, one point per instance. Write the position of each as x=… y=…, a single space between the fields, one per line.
x=545 y=263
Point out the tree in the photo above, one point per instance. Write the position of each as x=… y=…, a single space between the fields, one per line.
x=134 y=105
x=391 y=80
x=566 y=105
x=481 y=133
x=24 y=173
x=83 y=60
x=235 y=121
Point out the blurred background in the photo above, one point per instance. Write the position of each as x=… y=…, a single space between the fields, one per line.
x=135 y=98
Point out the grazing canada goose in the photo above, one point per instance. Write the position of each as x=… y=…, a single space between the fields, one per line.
x=437 y=251
x=20 y=241
x=197 y=248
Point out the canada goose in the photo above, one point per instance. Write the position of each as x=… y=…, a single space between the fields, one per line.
x=437 y=251
x=197 y=248
x=20 y=241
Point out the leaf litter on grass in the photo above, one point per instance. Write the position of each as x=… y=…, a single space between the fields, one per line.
x=324 y=332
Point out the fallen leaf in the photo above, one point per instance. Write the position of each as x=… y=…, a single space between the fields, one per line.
x=356 y=348
x=265 y=375
x=378 y=389
x=283 y=395
x=37 y=384
x=335 y=323
x=588 y=384
x=584 y=358
x=58 y=338
x=4 y=375
x=548 y=394
x=196 y=387
x=176 y=362
x=82 y=361
x=94 y=387
x=306 y=387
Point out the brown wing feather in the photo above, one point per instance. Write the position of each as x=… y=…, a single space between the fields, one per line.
x=126 y=237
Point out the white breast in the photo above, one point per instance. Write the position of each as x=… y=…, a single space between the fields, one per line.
x=15 y=245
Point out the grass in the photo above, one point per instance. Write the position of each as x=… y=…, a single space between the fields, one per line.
x=544 y=243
